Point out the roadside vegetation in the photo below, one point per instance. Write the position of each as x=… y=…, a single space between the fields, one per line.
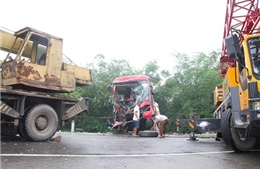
x=187 y=87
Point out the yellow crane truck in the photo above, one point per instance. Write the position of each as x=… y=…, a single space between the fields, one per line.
x=35 y=84
x=237 y=99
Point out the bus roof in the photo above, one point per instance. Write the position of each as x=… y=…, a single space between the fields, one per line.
x=130 y=78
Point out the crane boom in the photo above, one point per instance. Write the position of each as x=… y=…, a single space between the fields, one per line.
x=242 y=16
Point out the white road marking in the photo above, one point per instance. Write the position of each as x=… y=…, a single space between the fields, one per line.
x=113 y=155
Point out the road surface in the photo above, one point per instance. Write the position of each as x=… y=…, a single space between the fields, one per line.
x=117 y=151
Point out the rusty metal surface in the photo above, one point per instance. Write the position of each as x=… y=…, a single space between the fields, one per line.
x=7 y=90
x=8 y=72
x=81 y=106
x=27 y=73
x=14 y=72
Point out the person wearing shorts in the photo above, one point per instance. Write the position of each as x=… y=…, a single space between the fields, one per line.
x=161 y=121
x=136 y=118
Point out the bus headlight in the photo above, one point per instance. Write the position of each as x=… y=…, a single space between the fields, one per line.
x=256 y=105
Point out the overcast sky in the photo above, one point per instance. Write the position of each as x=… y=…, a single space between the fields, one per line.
x=135 y=30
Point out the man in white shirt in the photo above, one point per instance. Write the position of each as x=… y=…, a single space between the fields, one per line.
x=136 y=118
x=161 y=121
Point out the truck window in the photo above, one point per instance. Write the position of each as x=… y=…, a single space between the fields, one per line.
x=41 y=54
x=254 y=45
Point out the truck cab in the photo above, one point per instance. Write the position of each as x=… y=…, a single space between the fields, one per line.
x=34 y=60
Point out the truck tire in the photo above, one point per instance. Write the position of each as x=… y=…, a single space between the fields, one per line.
x=230 y=134
x=41 y=123
x=21 y=128
x=147 y=133
x=243 y=146
x=148 y=124
x=22 y=132
x=225 y=131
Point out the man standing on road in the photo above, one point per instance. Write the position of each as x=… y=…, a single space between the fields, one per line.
x=136 y=118
x=161 y=121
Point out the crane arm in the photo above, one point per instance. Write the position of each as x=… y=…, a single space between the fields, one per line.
x=11 y=44
x=242 y=16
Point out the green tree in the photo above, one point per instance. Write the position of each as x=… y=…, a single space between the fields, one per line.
x=155 y=75
x=190 y=87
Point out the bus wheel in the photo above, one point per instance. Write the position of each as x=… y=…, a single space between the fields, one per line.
x=147 y=133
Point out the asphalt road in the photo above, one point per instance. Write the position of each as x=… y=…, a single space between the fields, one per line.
x=118 y=151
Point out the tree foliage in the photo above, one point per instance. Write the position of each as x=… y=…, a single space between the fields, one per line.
x=190 y=88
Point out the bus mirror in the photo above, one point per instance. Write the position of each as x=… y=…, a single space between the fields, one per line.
x=152 y=91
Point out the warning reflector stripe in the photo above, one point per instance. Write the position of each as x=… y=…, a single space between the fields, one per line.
x=191 y=124
x=177 y=122
x=5 y=109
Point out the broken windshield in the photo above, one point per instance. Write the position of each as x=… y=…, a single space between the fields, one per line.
x=141 y=91
x=132 y=92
